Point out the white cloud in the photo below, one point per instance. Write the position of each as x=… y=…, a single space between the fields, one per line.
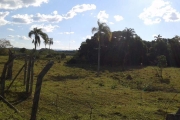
x=11 y=40
x=22 y=19
x=26 y=19
x=118 y=17
x=23 y=37
x=45 y=28
x=79 y=9
x=159 y=10
x=16 y=4
x=10 y=36
x=2 y=17
x=66 y=33
x=55 y=12
x=87 y=37
x=72 y=41
x=103 y=16
x=56 y=41
x=111 y=23
x=54 y=17
x=10 y=29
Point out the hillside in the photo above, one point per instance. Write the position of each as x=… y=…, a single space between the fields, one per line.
x=75 y=92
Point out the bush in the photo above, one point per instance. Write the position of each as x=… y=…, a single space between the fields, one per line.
x=72 y=61
x=22 y=50
x=63 y=55
x=4 y=51
x=49 y=56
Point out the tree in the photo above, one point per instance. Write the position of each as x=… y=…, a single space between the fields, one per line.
x=63 y=55
x=128 y=33
x=22 y=50
x=5 y=43
x=45 y=42
x=37 y=35
x=101 y=31
x=157 y=38
x=161 y=63
x=50 y=42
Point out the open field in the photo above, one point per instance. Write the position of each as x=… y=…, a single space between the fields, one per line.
x=75 y=92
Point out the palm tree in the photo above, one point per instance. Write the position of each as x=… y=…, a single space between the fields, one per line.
x=102 y=30
x=50 y=42
x=37 y=34
x=128 y=33
x=176 y=37
x=159 y=37
x=45 y=42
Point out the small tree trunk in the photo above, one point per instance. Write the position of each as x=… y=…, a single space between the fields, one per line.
x=35 y=47
x=98 y=59
x=49 y=49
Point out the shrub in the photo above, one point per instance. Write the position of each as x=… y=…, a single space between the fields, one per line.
x=63 y=55
x=22 y=50
x=161 y=63
x=113 y=86
x=4 y=51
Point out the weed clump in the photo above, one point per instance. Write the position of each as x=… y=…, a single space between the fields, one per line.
x=129 y=77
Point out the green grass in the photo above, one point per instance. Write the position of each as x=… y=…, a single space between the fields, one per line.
x=71 y=92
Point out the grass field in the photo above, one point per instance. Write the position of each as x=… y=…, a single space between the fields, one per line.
x=75 y=92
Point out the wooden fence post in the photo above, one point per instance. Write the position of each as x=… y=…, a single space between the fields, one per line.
x=25 y=70
x=3 y=75
x=38 y=89
x=32 y=76
x=10 y=66
x=28 y=76
x=3 y=79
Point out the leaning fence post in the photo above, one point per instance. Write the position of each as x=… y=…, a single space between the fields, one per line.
x=38 y=89
x=15 y=77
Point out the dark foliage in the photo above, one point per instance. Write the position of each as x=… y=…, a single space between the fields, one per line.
x=126 y=48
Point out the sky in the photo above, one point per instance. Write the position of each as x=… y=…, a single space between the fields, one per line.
x=69 y=22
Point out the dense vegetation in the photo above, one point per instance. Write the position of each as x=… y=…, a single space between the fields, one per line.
x=126 y=48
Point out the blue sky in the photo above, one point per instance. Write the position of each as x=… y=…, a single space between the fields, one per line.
x=69 y=22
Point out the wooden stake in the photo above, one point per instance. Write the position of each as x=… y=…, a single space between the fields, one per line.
x=25 y=70
x=38 y=89
x=28 y=76
x=32 y=75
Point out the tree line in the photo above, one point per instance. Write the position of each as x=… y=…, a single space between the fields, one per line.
x=126 y=48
